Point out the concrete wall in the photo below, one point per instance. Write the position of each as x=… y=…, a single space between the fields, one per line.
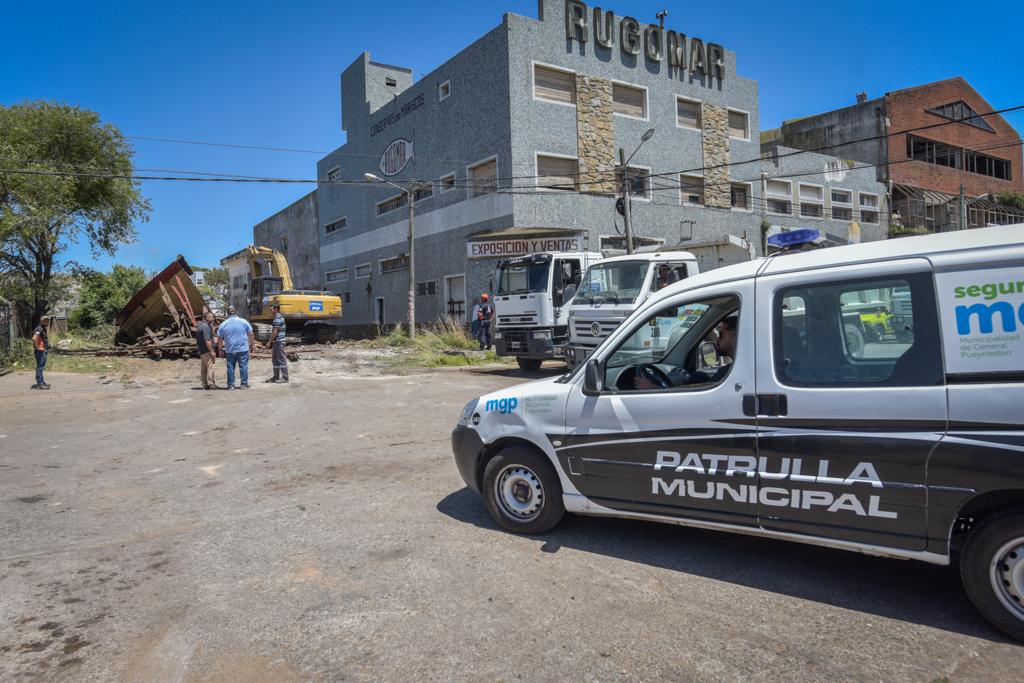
x=295 y=232
x=448 y=136
x=828 y=172
x=835 y=130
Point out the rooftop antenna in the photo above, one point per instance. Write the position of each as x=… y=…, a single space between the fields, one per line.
x=661 y=17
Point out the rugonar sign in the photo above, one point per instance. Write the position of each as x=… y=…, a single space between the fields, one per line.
x=519 y=247
x=684 y=54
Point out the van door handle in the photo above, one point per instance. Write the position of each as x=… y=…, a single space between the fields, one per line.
x=765 y=404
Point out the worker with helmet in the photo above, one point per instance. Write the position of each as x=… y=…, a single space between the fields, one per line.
x=485 y=313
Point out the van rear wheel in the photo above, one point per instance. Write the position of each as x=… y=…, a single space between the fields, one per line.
x=529 y=364
x=992 y=570
x=522 y=491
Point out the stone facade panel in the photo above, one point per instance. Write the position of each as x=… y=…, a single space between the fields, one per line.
x=595 y=134
x=715 y=122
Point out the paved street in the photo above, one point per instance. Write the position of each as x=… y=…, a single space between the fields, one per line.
x=320 y=531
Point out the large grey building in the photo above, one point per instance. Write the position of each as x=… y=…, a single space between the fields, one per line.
x=515 y=141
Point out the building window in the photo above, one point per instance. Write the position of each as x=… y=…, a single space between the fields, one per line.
x=639 y=181
x=629 y=100
x=395 y=263
x=780 y=197
x=447 y=182
x=986 y=165
x=554 y=85
x=557 y=173
x=426 y=288
x=443 y=91
x=390 y=82
x=812 y=201
x=687 y=113
x=962 y=112
x=348 y=297
x=842 y=205
x=392 y=203
x=868 y=207
x=483 y=177
x=334 y=174
x=424 y=191
x=334 y=226
x=740 y=196
x=363 y=270
x=939 y=153
x=739 y=125
x=691 y=190
x=339 y=275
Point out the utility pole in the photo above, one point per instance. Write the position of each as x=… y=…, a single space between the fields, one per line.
x=624 y=166
x=626 y=214
x=410 y=194
x=963 y=208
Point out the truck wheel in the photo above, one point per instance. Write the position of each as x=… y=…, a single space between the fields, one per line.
x=522 y=491
x=992 y=570
x=529 y=364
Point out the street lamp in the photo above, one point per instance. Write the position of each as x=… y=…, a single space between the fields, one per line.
x=410 y=196
x=626 y=213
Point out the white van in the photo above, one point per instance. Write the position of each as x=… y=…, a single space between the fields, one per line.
x=760 y=414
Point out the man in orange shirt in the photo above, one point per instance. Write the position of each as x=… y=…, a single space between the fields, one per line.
x=42 y=344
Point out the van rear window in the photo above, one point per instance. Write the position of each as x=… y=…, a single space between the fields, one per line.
x=858 y=333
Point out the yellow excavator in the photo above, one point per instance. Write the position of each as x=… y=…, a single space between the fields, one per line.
x=313 y=315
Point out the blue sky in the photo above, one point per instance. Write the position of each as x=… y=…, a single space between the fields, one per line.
x=267 y=73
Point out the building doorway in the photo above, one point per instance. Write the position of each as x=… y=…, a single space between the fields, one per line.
x=455 y=296
x=380 y=311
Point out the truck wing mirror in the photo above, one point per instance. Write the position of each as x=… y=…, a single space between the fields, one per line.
x=593 y=377
x=569 y=293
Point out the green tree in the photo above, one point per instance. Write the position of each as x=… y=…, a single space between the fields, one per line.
x=63 y=178
x=103 y=295
x=1014 y=199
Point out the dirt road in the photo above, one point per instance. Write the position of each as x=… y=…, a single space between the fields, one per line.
x=319 y=531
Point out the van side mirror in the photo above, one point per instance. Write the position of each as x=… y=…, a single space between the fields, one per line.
x=593 y=377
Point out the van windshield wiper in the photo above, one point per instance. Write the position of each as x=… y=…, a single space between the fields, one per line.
x=610 y=296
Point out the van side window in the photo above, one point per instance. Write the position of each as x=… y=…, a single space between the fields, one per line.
x=691 y=346
x=858 y=333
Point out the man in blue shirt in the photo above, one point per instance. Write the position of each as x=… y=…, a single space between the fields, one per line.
x=237 y=340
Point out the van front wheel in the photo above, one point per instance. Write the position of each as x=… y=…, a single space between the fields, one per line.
x=522 y=491
x=992 y=569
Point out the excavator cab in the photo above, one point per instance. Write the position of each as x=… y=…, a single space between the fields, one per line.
x=259 y=289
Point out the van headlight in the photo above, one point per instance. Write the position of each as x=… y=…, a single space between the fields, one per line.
x=467 y=411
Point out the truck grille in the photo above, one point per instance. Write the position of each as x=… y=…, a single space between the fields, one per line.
x=583 y=328
x=515 y=341
x=516 y=320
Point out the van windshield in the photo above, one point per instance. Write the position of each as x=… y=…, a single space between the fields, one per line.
x=618 y=282
x=523 y=278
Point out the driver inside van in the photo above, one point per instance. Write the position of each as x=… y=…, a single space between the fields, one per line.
x=646 y=379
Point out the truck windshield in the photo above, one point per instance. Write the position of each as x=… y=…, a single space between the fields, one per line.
x=619 y=282
x=522 y=278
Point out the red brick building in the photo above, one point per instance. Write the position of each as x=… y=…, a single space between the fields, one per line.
x=953 y=145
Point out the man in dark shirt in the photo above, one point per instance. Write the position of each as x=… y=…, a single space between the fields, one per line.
x=279 y=358
x=207 y=355
x=42 y=344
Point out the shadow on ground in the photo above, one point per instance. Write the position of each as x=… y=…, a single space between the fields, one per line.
x=909 y=591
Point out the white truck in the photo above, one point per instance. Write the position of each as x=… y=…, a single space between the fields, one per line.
x=531 y=316
x=612 y=289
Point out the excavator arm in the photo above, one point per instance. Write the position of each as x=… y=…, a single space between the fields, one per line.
x=267 y=262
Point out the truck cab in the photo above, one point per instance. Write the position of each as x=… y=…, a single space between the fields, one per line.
x=531 y=317
x=613 y=288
